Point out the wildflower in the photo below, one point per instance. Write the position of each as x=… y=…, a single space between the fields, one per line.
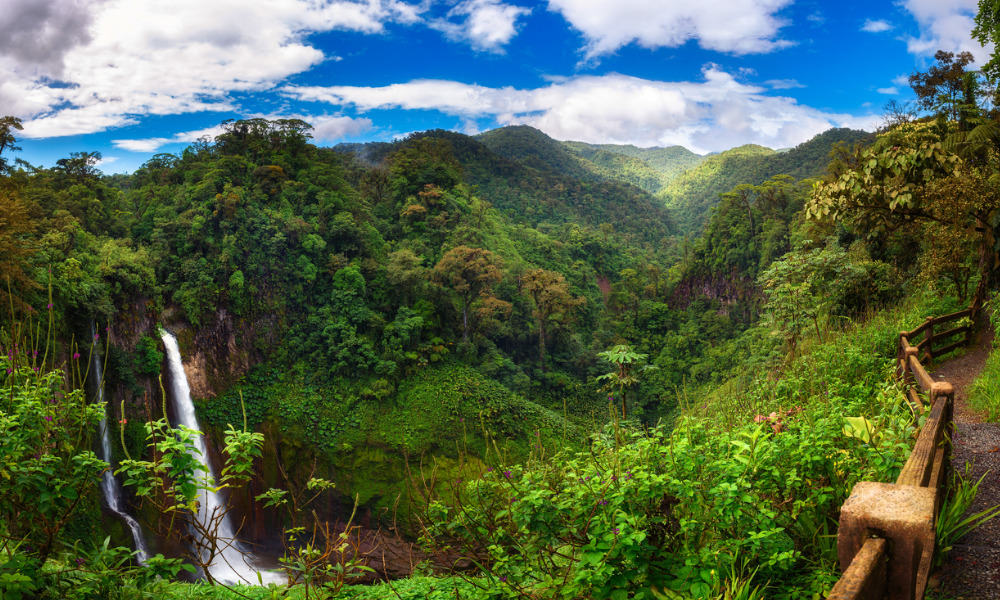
x=79 y=561
x=76 y=355
x=507 y=474
x=49 y=305
x=616 y=530
x=602 y=503
x=48 y=417
x=97 y=335
x=503 y=578
x=489 y=469
x=123 y=421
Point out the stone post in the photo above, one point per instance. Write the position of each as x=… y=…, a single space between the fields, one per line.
x=901 y=514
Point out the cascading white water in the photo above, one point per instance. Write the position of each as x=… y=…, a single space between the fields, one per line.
x=230 y=565
x=109 y=485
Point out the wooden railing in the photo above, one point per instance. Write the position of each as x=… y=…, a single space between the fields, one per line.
x=885 y=541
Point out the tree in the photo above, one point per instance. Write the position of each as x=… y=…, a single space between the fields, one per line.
x=470 y=273
x=405 y=271
x=7 y=140
x=987 y=31
x=800 y=290
x=949 y=87
x=909 y=176
x=553 y=303
x=16 y=246
x=628 y=364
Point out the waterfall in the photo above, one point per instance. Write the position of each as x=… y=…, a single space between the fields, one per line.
x=109 y=485
x=231 y=565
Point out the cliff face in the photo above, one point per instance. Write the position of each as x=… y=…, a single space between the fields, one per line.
x=224 y=349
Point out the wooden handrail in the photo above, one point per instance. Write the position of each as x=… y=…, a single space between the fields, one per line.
x=877 y=569
x=920 y=374
x=917 y=470
x=953 y=316
x=865 y=579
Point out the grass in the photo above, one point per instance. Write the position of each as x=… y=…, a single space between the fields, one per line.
x=984 y=394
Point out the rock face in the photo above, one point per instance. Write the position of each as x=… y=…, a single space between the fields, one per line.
x=221 y=351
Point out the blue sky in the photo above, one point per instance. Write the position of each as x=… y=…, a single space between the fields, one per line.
x=131 y=78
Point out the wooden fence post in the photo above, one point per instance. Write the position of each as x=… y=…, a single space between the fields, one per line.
x=929 y=336
x=908 y=377
x=901 y=355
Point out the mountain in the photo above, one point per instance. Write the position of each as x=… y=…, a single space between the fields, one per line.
x=692 y=195
x=532 y=148
x=537 y=182
x=648 y=168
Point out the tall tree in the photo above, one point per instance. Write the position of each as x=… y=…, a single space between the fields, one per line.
x=987 y=31
x=949 y=87
x=7 y=140
x=554 y=304
x=471 y=273
x=16 y=246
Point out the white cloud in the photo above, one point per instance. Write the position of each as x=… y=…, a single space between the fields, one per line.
x=90 y=65
x=485 y=24
x=901 y=81
x=945 y=26
x=783 y=84
x=876 y=26
x=735 y=26
x=332 y=129
x=324 y=129
x=153 y=144
x=891 y=91
x=712 y=115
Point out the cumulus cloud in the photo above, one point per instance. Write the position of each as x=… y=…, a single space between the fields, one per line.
x=735 y=26
x=711 y=115
x=876 y=26
x=332 y=129
x=891 y=91
x=38 y=33
x=945 y=26
x=110 y=61
x=484 y=24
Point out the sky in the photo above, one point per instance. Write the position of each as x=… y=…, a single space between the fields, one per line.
x=133 y=78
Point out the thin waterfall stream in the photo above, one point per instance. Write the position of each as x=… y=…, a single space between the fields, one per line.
x=231 y=565
x=110 y=489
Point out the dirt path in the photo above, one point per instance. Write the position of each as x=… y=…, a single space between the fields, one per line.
x=972 y=570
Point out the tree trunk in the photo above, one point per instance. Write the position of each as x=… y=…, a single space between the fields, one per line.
x=465 y=322
x=541 y=344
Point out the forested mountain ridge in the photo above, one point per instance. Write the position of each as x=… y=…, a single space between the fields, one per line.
x=648 y=168
x=691 y=195
x=534 y=181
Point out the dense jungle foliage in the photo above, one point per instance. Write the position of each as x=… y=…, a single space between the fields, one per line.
x=535 y=366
